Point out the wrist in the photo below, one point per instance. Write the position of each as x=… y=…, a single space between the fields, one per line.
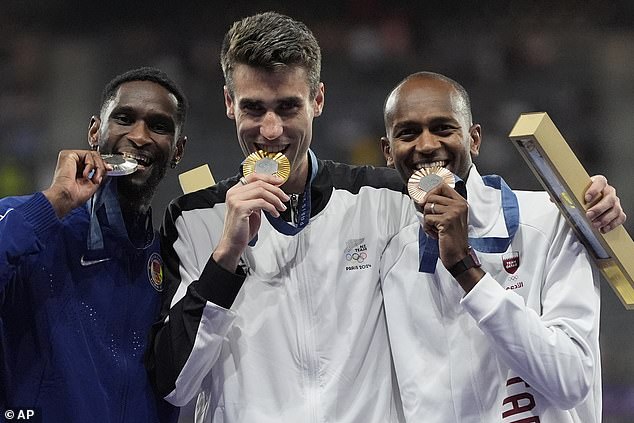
x=60 y=201
x=470 y=260
x=226 y=258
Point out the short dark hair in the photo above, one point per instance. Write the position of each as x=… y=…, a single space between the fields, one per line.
x=462 y=92
x=148 y=74
x=271 y=41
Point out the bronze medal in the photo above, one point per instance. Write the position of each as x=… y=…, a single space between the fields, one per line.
x=426 y=179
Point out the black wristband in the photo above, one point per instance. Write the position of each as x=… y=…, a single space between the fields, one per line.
x=469 y=261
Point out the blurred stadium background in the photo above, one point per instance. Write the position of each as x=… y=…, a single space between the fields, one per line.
x=572 y=59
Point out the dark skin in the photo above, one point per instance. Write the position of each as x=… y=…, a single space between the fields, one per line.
x=141 y=120
x=428 y=124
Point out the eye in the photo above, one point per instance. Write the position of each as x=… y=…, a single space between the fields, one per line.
x=122 y=118
x=288 y=107
x=406 y=134
x=161 y=126
x=443 y=129
x=254 y=109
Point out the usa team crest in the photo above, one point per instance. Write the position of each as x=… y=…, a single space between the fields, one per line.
x=155 y=271
x=511 y=261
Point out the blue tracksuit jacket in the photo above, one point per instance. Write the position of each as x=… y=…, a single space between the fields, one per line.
x=74 y=325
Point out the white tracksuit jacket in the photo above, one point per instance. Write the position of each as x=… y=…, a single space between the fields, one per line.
x=301 y=338
x=522 y=346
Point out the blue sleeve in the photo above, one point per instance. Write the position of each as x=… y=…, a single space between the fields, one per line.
x=24 y=223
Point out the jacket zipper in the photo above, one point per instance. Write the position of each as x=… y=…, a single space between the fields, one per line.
x=294 y=209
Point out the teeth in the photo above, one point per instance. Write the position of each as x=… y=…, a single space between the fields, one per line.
x=140 y=159
x=442 y=163
x=271 y=148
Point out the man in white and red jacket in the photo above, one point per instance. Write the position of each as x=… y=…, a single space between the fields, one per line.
x=491 y=301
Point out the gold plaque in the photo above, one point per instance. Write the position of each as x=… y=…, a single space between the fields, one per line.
x=267 y=163
x=562 y=175
x=425 y=179
x=196 y=179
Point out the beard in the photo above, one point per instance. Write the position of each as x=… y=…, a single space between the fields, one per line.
x=136 y=191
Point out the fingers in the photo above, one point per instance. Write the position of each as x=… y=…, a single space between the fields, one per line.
x=607 y=213
x=439 y=199
x=596 y=188
x=258 y=192
x=94 y=167
x=446 y=212
x=72 y=182
x=245 y=200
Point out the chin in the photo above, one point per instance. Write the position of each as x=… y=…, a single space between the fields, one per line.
x=139 y=187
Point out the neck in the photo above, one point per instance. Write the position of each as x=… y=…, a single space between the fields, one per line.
x=135 y=217
x=298 y=180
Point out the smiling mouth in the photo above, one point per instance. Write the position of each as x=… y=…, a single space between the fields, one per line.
x=428 y=165
x=278 y=148
x=142 y=160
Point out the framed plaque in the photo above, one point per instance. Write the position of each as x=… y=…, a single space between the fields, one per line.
x=559 y=171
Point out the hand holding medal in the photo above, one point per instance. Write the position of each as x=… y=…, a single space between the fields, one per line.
x=245 y=201
x=424 y=180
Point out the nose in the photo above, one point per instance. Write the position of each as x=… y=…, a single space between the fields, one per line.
x=139 y=133
x=427 y=143
x=271 y=127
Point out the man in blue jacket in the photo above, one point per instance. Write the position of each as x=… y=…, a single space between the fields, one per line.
x=81 y=270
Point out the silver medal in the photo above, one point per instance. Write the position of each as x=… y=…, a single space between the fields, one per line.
x=121 y=165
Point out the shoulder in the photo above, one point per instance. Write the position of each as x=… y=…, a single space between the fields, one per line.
x=536 y=204
x=353 y=178
x=537 y=210
x=204 y=198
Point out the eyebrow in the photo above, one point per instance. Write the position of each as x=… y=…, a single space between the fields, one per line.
x=121 y=109
x=153 y=113
x=290 y=99
x=433 y=121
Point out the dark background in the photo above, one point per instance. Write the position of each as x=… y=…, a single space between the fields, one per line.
x=572 y=59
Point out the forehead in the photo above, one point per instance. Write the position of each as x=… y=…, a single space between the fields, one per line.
x=144 y=95
x=261 y=84
x=418 y=98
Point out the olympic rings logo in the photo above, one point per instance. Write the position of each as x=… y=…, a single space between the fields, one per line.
x=358 y=257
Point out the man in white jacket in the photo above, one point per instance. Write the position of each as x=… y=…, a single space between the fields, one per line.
x=504 y=327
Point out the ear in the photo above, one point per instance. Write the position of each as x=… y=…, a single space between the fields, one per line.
x=93 y=132
x=179 y=149
x=475 y=133
x=318 y=104
x=229 y=104
x=387 y=152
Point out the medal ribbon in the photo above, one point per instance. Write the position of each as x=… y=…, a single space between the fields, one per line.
x=303 y=217
x=106 y=198
x=428 y=247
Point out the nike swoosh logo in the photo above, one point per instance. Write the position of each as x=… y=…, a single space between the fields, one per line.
x=85 y=262
x=6 y=213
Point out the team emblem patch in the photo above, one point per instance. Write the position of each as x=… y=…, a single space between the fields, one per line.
x=356 y=252
x=511 y=261
x=155 y=271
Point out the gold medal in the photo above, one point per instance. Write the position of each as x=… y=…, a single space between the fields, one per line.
x=121 y=164
x=267 y=163
x=426 y=179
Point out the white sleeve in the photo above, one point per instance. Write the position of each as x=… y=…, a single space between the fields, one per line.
x=555 y=349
